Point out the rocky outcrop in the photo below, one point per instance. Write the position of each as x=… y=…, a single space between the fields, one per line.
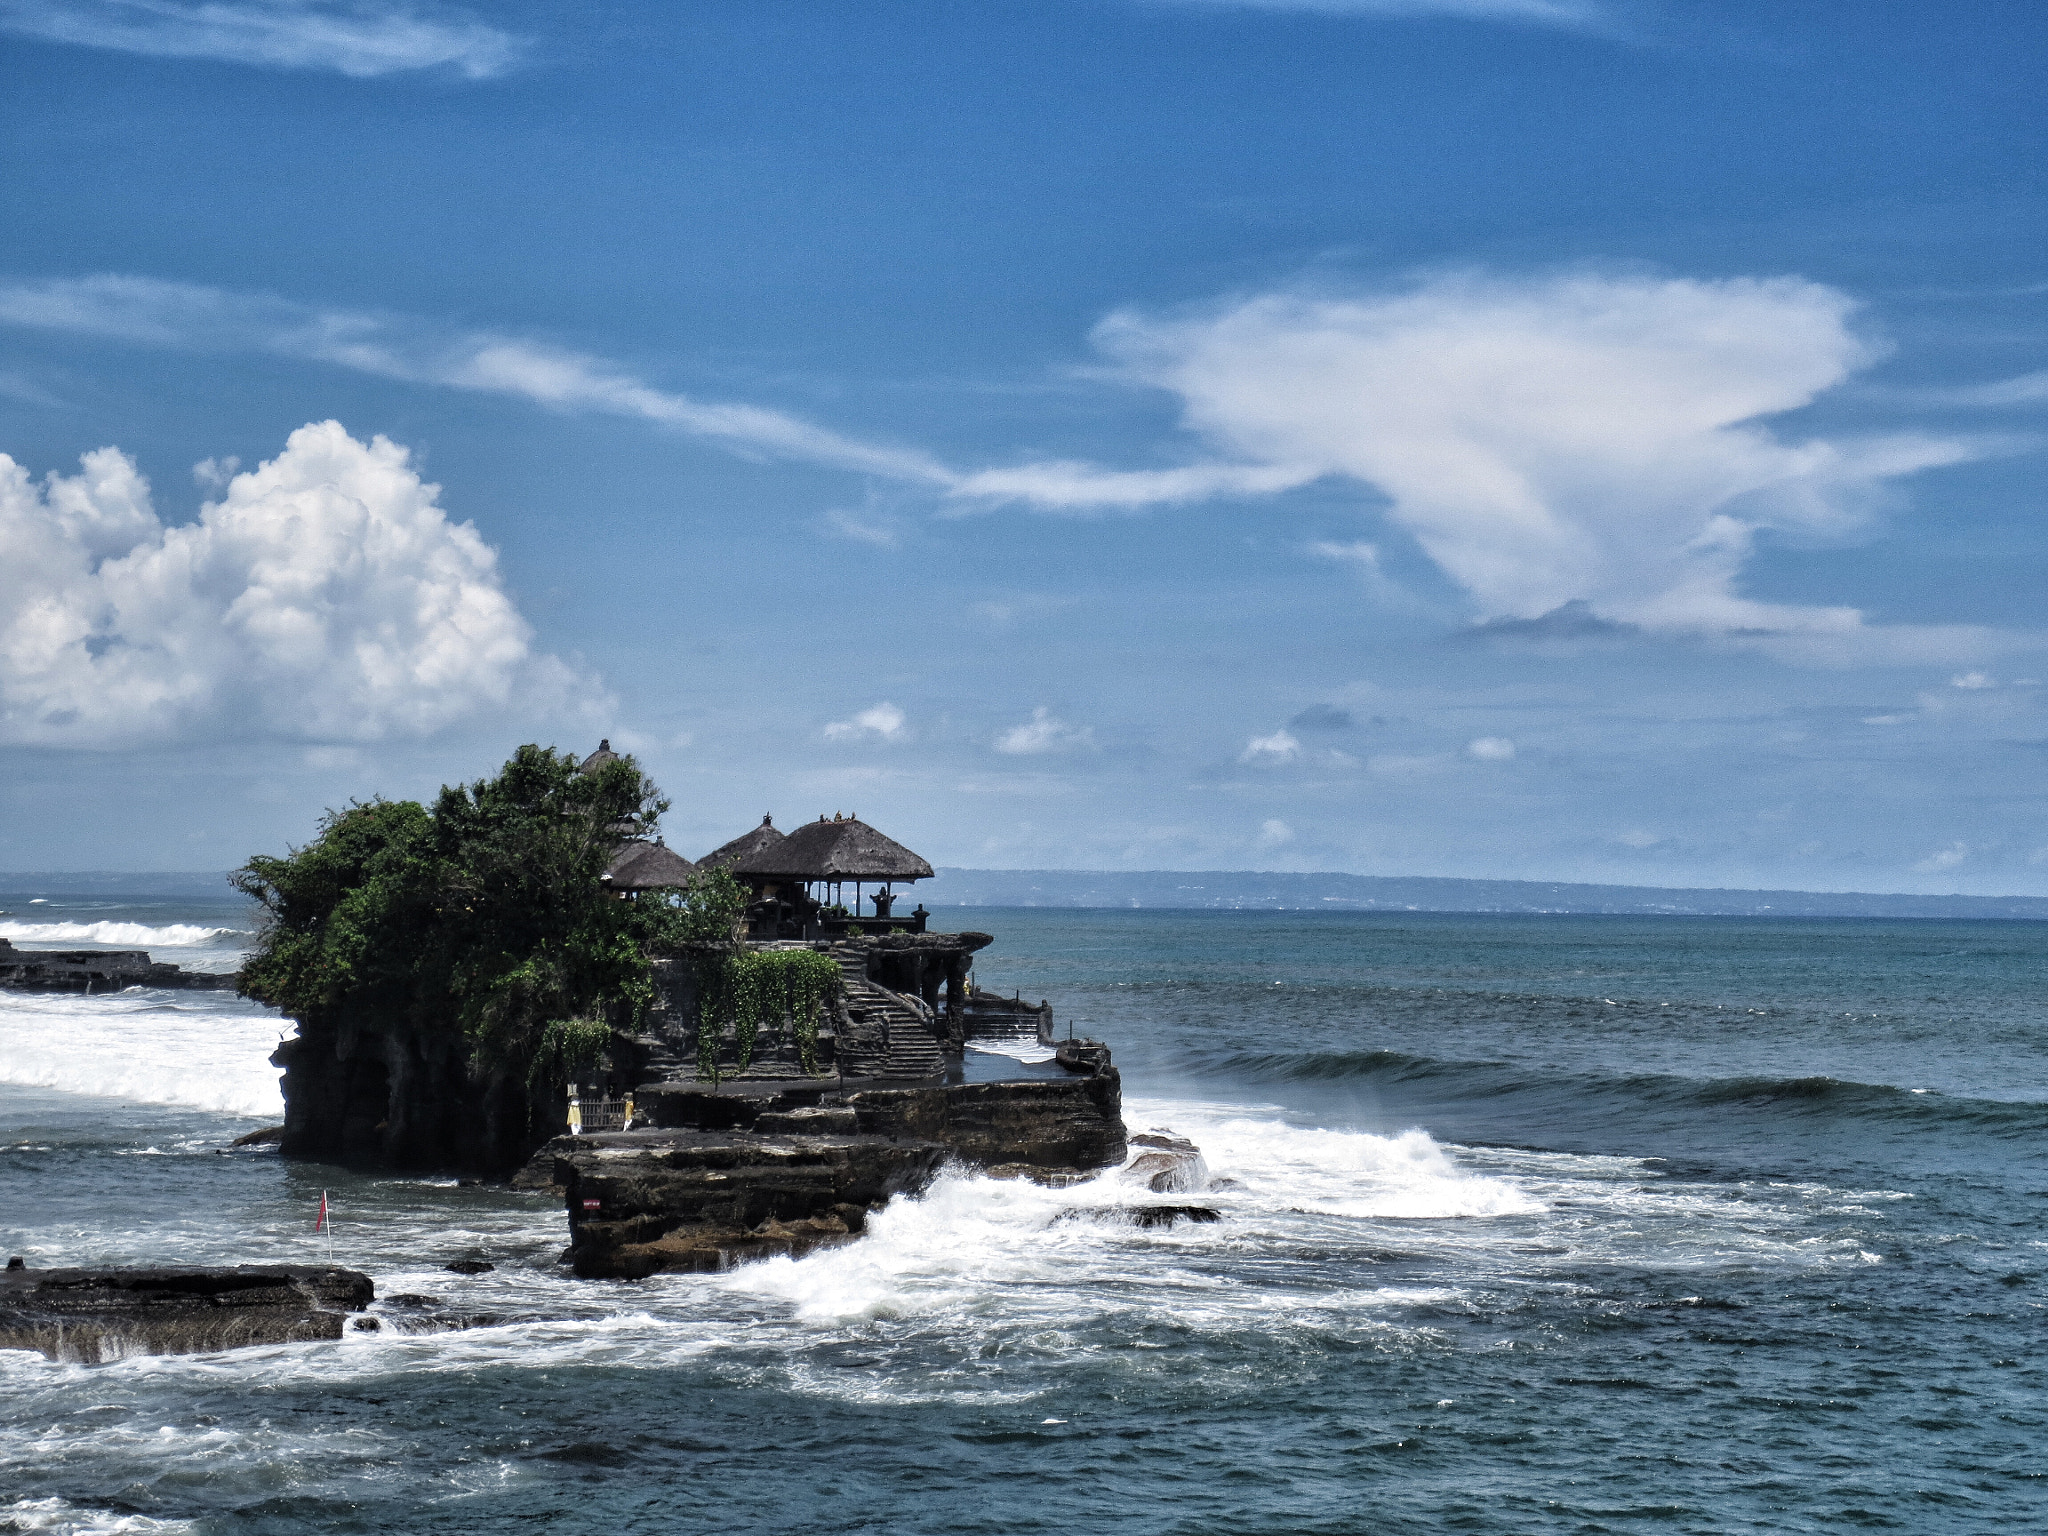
x=94 y=1315
x=398 y=1097
x=731 y=1176
x=644 y=1201
x=1031 y=1126
x=99 y=970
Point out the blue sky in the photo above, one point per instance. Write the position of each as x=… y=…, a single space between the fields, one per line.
x=1518 y=438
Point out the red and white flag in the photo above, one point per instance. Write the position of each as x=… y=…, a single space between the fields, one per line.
x=320 y=1221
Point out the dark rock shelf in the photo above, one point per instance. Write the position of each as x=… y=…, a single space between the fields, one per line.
x=95 y=1315
x=100 y=970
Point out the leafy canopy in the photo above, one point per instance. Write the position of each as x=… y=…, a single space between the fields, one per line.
x=483 y=916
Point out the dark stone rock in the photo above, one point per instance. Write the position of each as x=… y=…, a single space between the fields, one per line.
x=268 y=1136
x=1046 y=1125
x=641 y=1202
x=468 y=1267
x=412 y=1300
x=1167 y=1164
x=92 y=1315
x=1142 y=1215
x=99 y=970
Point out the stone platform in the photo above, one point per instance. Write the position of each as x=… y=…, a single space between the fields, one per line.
x=736 y=1173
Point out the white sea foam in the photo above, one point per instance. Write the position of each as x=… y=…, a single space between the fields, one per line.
x=60 y=1517
x=975 y=1247
x=1023 y=1048
x=127 y=935
x=201 y=1051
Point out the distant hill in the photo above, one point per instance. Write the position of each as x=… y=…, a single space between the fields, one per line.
x=1243 y=890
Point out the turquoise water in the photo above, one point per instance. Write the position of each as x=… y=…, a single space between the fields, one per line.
x=1558 y=1224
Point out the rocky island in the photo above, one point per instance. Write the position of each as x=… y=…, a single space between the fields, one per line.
x=712 y=1061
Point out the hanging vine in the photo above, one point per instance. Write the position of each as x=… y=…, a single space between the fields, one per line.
x=753 y=989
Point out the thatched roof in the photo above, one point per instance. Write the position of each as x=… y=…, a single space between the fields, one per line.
x=844 y=849
x=747 y=846
x=648 y=867
x=604 y=754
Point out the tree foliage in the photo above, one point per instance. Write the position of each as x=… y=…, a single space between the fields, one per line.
x=484 y=915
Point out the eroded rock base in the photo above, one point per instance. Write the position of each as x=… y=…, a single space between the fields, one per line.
x=95 y=1315
x=729 y=1176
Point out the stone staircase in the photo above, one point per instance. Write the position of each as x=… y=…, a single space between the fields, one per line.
x=908 y=1046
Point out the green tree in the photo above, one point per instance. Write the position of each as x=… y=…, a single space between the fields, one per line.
x=485 y=915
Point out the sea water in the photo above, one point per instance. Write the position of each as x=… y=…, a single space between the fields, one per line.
x=1538 y=1224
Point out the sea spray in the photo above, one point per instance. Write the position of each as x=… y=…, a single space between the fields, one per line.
x=120 y=935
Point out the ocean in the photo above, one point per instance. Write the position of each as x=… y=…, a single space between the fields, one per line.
x=1542 y=1224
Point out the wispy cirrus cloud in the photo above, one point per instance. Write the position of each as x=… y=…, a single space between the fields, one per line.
x=359 y=40
x=151 y=312
x=1577 y=14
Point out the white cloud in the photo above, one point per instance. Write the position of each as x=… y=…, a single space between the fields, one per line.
x=324 y=597
x=214 y=474
x=186 y=315
x=1044 y=732
x=1972 y=680
x=1557 y=13
x=846 y=525
x=1280 y=747
x=1569 y=438
x=1353 y=552
x=1637 y=838
x=1586 y=444
x=1943 y=859
x=884 y=720
x=2026 y=389
x=1491 y=749
x=360 y=39
x=1275 y=833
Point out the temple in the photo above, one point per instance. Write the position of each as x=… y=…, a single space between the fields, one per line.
x=833 y=1052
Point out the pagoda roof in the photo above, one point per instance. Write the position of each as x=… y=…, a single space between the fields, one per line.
x=840 y=849
x=644 y=866
x=747 y=847
x=604 y=754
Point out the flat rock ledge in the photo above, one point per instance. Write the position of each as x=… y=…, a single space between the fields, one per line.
x=727 y=1176
x=95 y=1315
x=100 y=970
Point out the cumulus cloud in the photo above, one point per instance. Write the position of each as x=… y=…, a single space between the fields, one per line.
x=1275 y=833
x=358 y=39
x=1490 y=749
x=1283 y=746
x=325 y=596
x=1943 y=859
x=1044 y=732
x=883 y=720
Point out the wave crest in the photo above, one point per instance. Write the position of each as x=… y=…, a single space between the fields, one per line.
x=126 y=935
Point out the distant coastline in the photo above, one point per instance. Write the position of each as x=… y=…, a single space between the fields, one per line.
x=1251 y=890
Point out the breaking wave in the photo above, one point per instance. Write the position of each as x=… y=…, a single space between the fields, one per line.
x=200 y=1051
x=127 y=935
x=1477 y=1081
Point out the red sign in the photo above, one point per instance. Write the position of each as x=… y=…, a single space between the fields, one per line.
x=591 y=1205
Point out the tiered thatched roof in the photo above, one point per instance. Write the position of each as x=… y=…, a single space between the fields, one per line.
x=840 y=849
x=604 y=754
x=742 y=852
x=640 y=866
